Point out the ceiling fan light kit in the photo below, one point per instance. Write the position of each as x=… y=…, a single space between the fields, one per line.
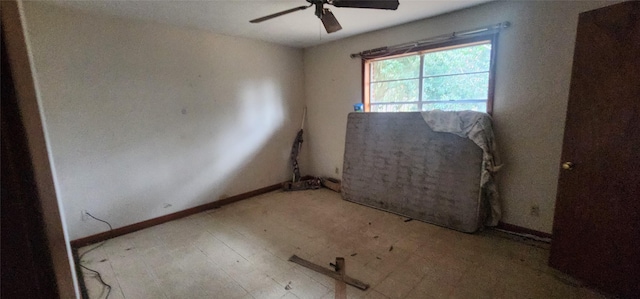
x=329 y=21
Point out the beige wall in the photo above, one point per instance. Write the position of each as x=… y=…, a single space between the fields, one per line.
x=532 y=86
x=146 y=119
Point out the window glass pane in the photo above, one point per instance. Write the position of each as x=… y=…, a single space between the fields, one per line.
x=452 y=79
x=394 y=108
x=460 y=87
x=457 y=61
x=455 y=106
x=394 y=91
x=398 y=68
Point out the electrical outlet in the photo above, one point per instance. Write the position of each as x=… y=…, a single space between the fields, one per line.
x=535 y=211
x=85 y=217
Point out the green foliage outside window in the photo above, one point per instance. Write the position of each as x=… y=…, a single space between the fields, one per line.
x=398 y=68
x=455 y=79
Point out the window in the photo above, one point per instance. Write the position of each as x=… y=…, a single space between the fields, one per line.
x=445 y=77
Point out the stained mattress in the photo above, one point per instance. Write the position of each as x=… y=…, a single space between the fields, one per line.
x=395 y=162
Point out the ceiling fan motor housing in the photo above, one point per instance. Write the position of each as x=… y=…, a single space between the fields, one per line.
x=319 y=9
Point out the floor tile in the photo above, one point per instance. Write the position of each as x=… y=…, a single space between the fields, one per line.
x=242 y=250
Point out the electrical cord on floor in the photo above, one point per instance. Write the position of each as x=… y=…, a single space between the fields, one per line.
x=96 y=273
x=110 y=228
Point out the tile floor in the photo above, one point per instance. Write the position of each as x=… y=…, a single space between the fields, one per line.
x=241 y=251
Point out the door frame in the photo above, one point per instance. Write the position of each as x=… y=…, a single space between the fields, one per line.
x=24 y=83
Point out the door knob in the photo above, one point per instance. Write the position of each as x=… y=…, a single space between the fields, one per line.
x=567 y=165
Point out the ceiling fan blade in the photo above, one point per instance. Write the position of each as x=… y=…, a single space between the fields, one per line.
x=258 y=20
x=377 y=4
x=330 y=22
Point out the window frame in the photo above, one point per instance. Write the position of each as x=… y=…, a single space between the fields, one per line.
x=491 y=38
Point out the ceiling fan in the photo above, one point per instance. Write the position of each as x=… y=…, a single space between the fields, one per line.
x=326 y=16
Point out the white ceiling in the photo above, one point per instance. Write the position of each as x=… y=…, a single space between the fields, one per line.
x=299 y=29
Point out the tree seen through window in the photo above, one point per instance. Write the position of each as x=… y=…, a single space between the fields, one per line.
x=447 y=79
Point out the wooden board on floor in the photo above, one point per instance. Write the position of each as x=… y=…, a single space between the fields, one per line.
x=341 y=286
x=335 y=275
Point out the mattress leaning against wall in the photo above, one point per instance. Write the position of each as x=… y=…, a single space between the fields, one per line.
x=396 y=162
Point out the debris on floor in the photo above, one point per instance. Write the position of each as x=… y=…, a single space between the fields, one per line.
x=325 y=216
x=375 y=237
x=408 y=219
x=331 y=184
x=337 y=275
x=312 y=183
x=354 y=254
x=524 y=238
x=335 y=266
x=391 y=248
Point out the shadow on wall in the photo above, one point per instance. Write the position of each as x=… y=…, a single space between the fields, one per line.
x=145 y=119
x=191 y=162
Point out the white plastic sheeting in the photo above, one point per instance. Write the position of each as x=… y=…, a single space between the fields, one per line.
x=478 y=128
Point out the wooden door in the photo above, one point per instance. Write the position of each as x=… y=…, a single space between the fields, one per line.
x=596 y=229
